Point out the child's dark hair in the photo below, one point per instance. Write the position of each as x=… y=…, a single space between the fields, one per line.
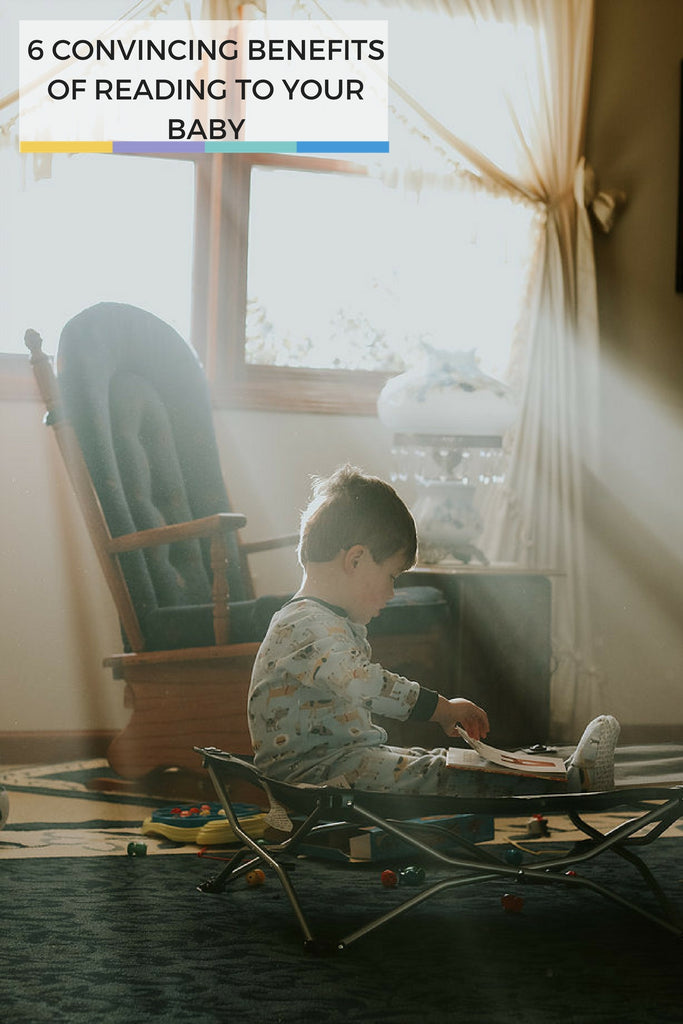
x=350 y=508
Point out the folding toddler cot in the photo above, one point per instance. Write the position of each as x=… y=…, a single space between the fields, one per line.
x=304 y=812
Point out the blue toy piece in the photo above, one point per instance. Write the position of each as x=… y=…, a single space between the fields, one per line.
x=513 y=857
x=412 y=875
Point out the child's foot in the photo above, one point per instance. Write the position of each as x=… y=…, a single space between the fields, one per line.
x=591 y=766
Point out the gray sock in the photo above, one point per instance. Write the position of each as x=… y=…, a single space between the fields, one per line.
x=590 y=769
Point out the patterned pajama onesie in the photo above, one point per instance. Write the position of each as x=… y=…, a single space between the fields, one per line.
x=312 y=693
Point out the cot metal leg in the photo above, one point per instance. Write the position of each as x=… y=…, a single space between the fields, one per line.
x=261 y=854
x=668 y=815
x=650 y=881
x=547 y=871
x=610 y=894
x=414 y=901
x=219 y=881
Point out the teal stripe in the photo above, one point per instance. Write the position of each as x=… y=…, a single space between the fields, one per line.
x=250 y=147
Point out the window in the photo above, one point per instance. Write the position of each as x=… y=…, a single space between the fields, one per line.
x=321 y=279
x=80 y=229
x=327 y=281
x=345 y=273
x=101 y=227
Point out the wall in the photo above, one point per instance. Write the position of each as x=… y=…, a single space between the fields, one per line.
x=54 y=682
x=636 y=523
x=269 y=461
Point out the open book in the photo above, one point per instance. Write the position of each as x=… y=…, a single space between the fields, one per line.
x=482 y=757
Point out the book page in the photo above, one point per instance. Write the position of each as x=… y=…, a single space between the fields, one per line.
x=461 y=757
x=518 y=761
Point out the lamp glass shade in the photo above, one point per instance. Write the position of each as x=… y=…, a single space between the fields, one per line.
x=449 y=421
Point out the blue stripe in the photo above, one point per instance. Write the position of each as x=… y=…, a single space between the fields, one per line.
x=342 y=147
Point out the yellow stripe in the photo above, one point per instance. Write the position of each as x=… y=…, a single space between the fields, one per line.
x=66 y=147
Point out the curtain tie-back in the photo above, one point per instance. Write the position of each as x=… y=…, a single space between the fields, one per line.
x=604 y=204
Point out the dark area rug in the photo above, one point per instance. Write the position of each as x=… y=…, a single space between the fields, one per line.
x=120 y=940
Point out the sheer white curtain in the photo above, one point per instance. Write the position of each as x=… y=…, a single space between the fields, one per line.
x=504 y=98
x=539 y=520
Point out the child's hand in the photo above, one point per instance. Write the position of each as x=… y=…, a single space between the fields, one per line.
x=450 y=713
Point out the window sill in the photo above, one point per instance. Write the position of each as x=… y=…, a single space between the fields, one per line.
x=284 y=389
x=266 y=389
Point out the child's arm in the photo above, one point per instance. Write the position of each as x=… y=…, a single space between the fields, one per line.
x=457 y=710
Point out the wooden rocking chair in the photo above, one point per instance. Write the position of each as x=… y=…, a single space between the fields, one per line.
x=131 y=413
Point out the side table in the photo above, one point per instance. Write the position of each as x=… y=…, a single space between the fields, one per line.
x=500 y=649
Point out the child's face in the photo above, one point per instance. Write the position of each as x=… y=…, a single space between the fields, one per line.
x=372 y=584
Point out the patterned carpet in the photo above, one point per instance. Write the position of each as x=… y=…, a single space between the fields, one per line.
x=92 y=934
x=116 y=940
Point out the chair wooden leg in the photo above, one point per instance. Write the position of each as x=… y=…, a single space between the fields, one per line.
x=176 y=707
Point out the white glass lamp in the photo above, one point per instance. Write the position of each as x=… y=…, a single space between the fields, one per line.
x=449 y=420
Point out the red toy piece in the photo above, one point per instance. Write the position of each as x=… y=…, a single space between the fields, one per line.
x=512 y=904
x=405 y=876
x=537 y=827
x=255 y=877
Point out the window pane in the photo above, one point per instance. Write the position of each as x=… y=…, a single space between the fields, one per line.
x=101 y=228
x=345 y=272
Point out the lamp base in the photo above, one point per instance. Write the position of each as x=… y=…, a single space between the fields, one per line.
x=465 y=554
x=447 y=521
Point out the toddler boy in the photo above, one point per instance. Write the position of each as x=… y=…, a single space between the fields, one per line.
x=314 y=686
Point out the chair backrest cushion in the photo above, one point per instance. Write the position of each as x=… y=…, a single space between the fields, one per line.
x=137 y=398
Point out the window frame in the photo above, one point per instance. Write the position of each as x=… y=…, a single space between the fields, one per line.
x=220 y=300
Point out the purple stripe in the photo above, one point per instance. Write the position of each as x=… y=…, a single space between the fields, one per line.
x=158 y=147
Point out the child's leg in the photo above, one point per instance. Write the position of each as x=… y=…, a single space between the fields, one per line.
x=421 y=772
x=385 y=769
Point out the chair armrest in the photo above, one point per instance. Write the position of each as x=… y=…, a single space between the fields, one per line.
x=210 y=526
x=254 y=546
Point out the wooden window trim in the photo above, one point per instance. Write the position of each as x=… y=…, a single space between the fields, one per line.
x=220 y=295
